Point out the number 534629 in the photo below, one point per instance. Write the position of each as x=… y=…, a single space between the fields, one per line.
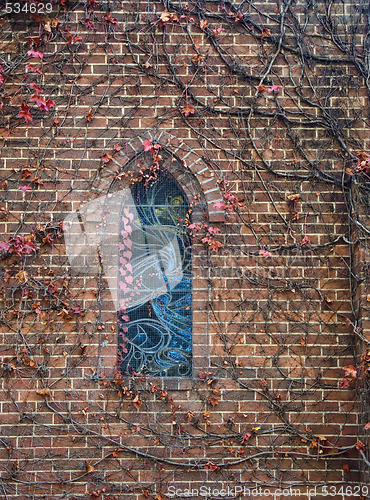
x=32 y=8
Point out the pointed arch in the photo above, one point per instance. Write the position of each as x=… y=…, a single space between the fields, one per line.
x=154 y=287
x=96 y=252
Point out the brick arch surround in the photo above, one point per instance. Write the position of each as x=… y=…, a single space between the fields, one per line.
x=190 y=160
x=195 y=178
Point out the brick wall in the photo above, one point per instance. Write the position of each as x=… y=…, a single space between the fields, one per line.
x=259 y=114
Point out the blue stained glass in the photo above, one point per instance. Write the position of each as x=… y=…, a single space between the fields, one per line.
x=155 y=337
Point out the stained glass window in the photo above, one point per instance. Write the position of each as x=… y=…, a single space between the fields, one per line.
x=155 y=280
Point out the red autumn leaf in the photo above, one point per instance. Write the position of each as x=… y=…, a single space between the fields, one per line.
x=117 y=147
x=215 y=245
x=52 y=288
x=53 y=23
x=33 y=69
x=22 y=276
x=239 y=17
x=211 y=466
x=89 y=468
x=188 y=110
x=72 y=39
x=24 y=188
x=265 y=33
x=38 y=100
x=219 y=205
x=36 y=88
x=350 y=371
x=65 y=315
x=41 y=103
x=35 y=53
x=109 y=20
x=213 y=401
x=212 y=243
x=203 y=24
x=344 y=383
x=28 y=247
x=137 y=402
x=274 y=88
x=305 y=241
x=153 y=148
x=363 y=163
x=48 y=239
x=4 y=245
x=107 y=158
x=198 y=58
x=89 y=24
x=217 y=31
x=261 y=88
x=148 y=146
x=366 y=357
x=165 y=17
x=24 y=113
x=45 y=393
x=367 y=426
x=89 y=116
x=49 y=103
x=360 y=446
x=33 y=40
x=76 y=309
x=246 y=436
x=20 y=246
x=265 y=253
x=294 y=197
x=346 y=468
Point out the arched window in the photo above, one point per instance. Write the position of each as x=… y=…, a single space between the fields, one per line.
x=154 y=289
x=129 y=240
